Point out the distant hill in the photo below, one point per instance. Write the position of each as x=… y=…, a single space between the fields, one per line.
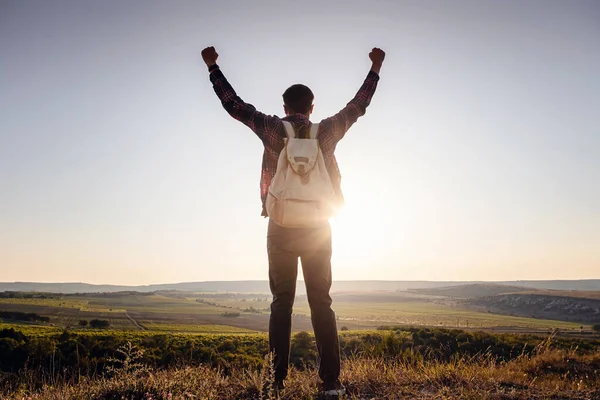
x=582 y=306
x=581 y=284
x=557 y=306
x=263 y=286
x=471 y=290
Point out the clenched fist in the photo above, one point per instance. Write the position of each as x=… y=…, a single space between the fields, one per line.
x=377 y=55
x=209 y=55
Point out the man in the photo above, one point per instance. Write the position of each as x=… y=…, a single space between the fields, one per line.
x=312 y=244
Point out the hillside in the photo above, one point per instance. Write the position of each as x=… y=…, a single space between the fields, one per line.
x=540 y=305
x=480 y=305
x=471 y=290
x=183 y=311
x=561 y=305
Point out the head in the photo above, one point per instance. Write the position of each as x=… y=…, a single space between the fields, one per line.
x=298 y=99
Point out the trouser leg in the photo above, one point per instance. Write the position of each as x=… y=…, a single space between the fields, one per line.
x=316 y=267
x=283 y=272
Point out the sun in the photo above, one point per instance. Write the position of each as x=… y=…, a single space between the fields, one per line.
x=359 y=230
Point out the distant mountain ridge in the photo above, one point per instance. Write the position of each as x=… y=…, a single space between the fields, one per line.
x=261 y=286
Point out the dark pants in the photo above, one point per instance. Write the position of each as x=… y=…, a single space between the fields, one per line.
x=313 y=247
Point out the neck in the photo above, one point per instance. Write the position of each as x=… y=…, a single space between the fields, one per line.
x=292 y=114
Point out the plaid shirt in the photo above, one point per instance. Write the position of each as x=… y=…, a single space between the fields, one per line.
x=271 y=132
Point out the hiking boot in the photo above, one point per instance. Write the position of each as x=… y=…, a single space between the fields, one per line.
x=278 y=386
x=332 y=389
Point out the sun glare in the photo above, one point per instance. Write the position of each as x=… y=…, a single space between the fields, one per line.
x=360 y=231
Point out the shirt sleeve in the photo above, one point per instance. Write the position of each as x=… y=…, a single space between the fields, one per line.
x=332 y=129
x=264 y=126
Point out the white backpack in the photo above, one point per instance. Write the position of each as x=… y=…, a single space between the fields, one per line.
x=301 y=193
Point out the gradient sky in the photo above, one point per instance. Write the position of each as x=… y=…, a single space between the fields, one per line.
x=478 y=159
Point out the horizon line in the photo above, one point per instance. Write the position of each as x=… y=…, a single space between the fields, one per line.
x=300 y=280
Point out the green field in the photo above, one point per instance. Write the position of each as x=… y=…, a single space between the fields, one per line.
x=430 y=314
x=59 y=302
x=369 y=310
x=191 y=328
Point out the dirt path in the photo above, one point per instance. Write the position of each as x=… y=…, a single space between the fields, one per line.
x=140 y=327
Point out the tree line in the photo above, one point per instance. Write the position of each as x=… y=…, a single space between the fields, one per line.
x=21 y=316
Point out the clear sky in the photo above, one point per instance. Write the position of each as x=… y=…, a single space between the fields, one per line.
x=478 y=159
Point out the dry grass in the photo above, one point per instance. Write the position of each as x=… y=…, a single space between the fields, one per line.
x=547 y=374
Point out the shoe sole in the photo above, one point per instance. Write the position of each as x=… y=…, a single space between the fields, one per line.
x=335 y=392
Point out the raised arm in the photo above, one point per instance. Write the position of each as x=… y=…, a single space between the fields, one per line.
x=263 y=125
x=334 y=128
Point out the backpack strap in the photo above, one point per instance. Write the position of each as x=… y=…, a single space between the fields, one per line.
x=314 y=131
x=289 y=129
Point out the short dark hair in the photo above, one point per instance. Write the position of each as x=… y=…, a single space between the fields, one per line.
x=298 y=98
